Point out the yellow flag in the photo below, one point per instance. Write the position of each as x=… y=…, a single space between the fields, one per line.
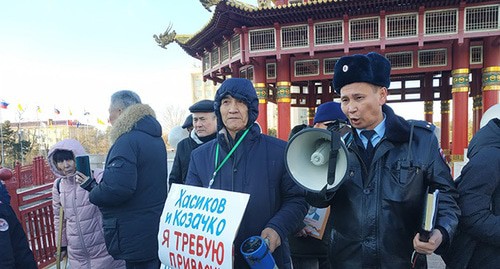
x=100 y=122
x=38 y=109
x=20 y=107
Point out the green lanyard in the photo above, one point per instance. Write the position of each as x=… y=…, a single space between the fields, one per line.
x=217 y=168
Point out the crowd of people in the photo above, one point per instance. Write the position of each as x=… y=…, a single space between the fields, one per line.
x=110 y=218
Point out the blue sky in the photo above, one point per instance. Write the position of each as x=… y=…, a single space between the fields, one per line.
x=72 y=55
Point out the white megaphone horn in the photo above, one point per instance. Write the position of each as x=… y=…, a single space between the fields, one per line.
x=308 y=156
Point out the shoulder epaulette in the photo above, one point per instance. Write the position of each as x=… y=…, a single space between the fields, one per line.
x=423 y=124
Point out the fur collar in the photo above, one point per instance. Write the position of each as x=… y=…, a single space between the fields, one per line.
x=397 y=128
x=129 y=117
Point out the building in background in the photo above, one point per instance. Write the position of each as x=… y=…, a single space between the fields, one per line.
x=43 y=134
x=202 y=89
x=441 y=51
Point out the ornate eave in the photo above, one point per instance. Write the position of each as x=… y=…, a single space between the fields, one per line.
x=231 y=14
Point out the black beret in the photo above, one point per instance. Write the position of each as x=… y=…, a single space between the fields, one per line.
x=202 y=106
x=188 y=122
x=371 y=68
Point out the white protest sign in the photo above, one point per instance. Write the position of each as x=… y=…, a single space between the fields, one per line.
x=198 y=227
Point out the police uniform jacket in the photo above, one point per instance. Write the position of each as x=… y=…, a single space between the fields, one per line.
x=14 y=248
x=378 y=209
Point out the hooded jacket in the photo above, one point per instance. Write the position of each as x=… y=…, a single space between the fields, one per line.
x=82 y=225
x=133 y=189
x=378 y=208
x=256 y=167
x=479 y=200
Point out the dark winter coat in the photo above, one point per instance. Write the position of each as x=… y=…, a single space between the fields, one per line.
x=181 y=161
x=133 y=189
x=378 y=209
x=182 y=156
x=15 y=252
x=256 y=167
x=479 y=200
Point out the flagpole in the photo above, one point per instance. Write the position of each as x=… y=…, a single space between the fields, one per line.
x=20 y=135
x=1 y=135
x=39 y=129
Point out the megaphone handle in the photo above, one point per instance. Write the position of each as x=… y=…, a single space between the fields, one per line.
x=334 y=150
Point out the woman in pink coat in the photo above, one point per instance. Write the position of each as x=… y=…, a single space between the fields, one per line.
x=82 y=234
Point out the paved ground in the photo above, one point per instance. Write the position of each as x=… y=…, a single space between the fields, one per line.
x=433 y=261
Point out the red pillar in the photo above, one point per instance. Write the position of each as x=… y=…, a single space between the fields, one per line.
x=477 y=100
x=460 y=93
x=283 y=96
x=445 y=95
x=445 y=128
x=312 y=96
x=428 y=96
x=491 y=71
x=428 y=110
x=259 y=69
x=311 y=112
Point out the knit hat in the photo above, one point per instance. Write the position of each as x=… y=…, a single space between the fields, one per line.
x=371 y=68
x=328 y=112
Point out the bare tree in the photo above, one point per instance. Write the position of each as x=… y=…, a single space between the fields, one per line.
x=171 y=116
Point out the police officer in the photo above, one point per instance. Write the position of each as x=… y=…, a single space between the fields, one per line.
x=392 y=165
x=14 y=248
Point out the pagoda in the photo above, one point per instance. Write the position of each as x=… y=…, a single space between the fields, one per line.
x=441 y=51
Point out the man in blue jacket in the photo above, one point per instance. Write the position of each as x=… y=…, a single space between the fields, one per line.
x=133 y=190
x=392 y=164
x=250 y=162
x=15 y=251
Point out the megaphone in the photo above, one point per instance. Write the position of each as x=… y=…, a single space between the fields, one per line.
x=308 y=155
x=256 y=252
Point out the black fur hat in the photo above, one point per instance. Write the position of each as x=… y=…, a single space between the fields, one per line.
x=371 y=68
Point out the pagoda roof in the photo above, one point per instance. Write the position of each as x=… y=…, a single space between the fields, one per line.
x=231 y=14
